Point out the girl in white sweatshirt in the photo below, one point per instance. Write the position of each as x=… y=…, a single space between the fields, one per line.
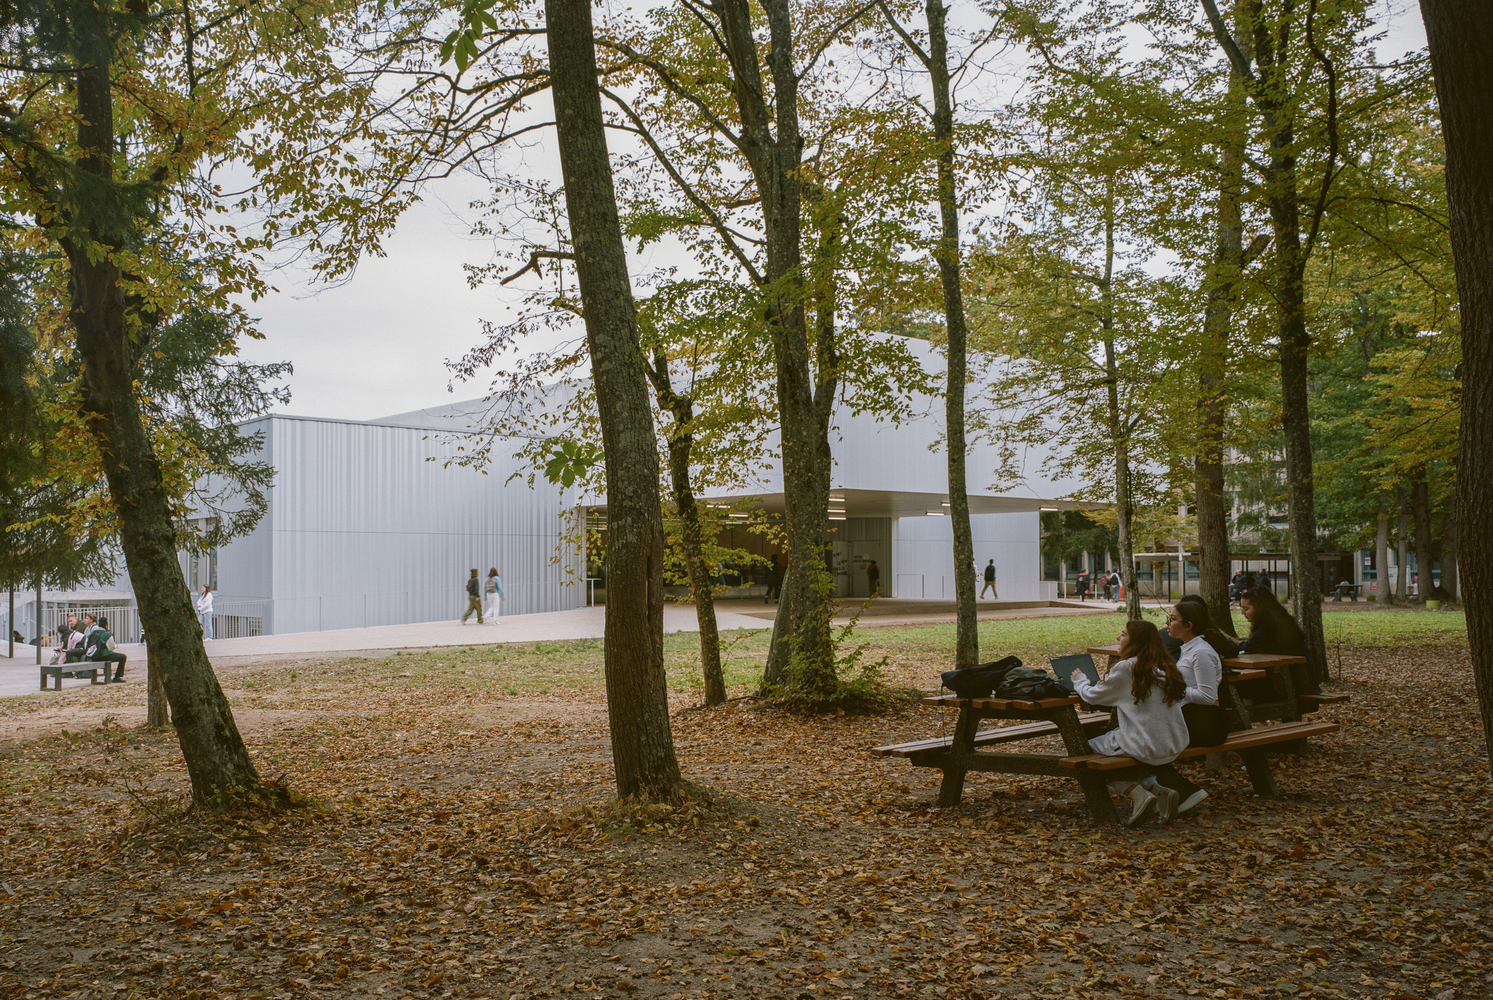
x=1146 y=691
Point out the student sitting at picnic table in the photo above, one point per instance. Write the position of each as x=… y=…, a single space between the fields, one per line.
x=1146 y=692
x=1202 y=670
x=1273 y=630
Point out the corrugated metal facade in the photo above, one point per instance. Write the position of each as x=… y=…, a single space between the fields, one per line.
x=923 y=555
x=369 y=526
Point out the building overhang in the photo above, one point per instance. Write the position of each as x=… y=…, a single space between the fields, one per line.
x=886 y=503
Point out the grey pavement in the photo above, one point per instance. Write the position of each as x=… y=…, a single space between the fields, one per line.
x=20 y=676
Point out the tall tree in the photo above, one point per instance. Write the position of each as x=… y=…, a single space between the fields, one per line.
x=637 y=693
x=97 y=217
x=935 y=61
x=1460 y=35
x=1272 y=67
x=1229 y=260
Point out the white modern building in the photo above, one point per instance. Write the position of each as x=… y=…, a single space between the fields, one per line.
x=378 y=522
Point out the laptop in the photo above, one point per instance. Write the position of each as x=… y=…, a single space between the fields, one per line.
x=1063 y=667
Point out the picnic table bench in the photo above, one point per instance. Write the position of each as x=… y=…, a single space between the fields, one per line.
x=1250 y=744
x=1092 y=723
x=962 y=752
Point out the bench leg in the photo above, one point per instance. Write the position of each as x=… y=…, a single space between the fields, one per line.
x=1095 y=788
x=1259 y=773
x=951 y=790
x=1096 y=796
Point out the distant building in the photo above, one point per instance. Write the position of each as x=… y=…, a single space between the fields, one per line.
x=372 y=523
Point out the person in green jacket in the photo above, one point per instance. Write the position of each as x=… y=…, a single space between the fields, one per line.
x=474 y=598
x=98 y=650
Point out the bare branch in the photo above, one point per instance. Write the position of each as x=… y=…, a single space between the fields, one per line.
x=535 y=257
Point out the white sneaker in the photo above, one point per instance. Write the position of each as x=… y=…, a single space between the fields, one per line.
x=1192 y=801
x=1143 y=804
x=1166 y=804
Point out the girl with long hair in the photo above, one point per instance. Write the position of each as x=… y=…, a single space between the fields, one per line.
x=1273 y=630
x=1146 y=692
x=1201 y=668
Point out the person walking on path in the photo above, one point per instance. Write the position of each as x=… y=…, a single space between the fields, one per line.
x=990 y=581
x=205 y=611
x=474 y=598
x=774 y=580
x=873 y=579
x=1083 y=585
x=494 y=594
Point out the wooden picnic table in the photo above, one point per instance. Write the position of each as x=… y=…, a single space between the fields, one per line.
x=960 y=756
x=956 y=756
x=1284 y=703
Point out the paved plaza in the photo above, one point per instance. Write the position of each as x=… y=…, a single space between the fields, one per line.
x=20 y=676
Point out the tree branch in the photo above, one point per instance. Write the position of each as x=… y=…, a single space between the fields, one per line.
x=1228 y=43
x=535 y=257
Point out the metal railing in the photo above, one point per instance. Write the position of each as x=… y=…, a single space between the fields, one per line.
x=124 y=621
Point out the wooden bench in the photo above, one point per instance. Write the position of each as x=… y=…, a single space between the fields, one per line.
x=1250 y=744
x=1092 y=723
x=78 y=668
x=1318 y=700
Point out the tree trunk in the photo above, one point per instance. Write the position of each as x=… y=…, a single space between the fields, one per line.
x=1118 y=430
x=1381 y=557
x=637 y=693
x=1402 y=549
x=1212 y=520
x=967 y=636
x=1460 y=34
x=773 y=144
x=1449 y=547
x=157 y=709
x=681 y=443
x=1420 y=509
x=775 y=672
x=1271 y=92
x=216 y=759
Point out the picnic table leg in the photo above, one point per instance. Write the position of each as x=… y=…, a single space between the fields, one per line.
x=1285 y=690
x=1259 y=773
x=1095 y=788
x=951 y=790
x=1233 y=707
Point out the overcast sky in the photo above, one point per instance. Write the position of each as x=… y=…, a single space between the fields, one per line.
x=378 y=344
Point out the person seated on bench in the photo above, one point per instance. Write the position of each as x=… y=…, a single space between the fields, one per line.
x=69 y=642
x=1146 y=692
x=1273 y=630
x=1202 y=669
x=99 y=651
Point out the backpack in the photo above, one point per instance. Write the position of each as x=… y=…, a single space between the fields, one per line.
x=1030 y=682
x=100 y=643
x=981 y=679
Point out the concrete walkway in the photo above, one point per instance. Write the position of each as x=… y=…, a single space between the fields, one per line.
x=20 y=675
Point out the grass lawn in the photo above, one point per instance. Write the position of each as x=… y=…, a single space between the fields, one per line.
x=466 y=844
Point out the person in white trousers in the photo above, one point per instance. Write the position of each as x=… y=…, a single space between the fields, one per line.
x=205 y=611
x=1146 y=690
x=494 y=593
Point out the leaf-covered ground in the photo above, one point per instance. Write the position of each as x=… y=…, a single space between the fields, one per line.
x=467 y=847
